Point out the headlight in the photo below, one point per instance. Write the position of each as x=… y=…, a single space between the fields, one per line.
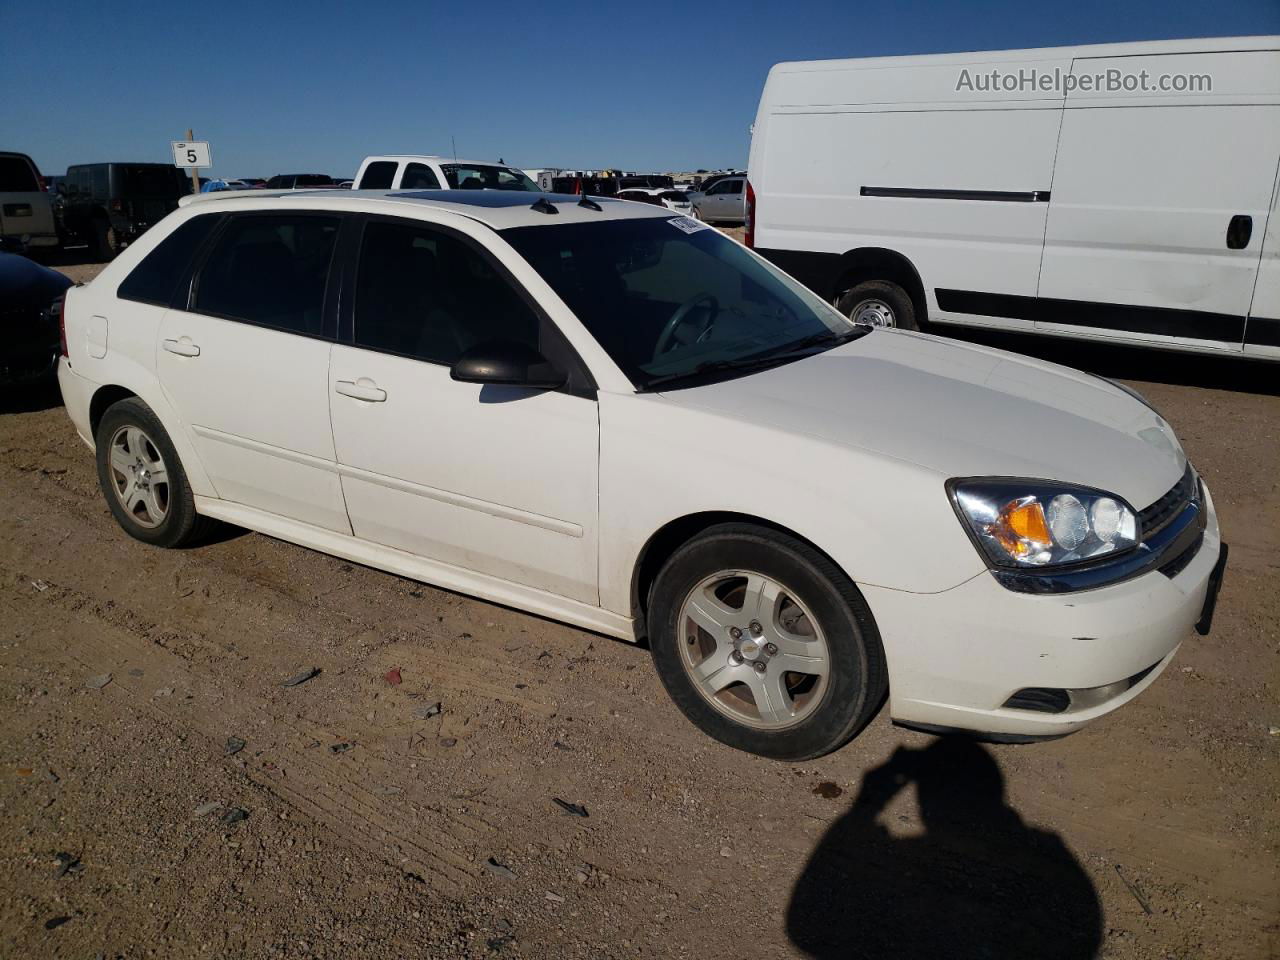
x=1034 y=523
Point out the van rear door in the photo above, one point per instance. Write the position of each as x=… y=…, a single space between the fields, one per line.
x=1161 y=194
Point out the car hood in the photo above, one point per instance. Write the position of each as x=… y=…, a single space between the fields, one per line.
x=961 y=410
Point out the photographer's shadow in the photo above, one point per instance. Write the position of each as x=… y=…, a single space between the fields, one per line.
x=979 y=883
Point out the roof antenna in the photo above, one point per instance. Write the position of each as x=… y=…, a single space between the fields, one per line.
x=454 y=142
x=543 y=205
x=586 y=201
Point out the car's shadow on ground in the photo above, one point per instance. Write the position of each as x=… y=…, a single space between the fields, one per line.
x=30 y=397
x=1121 y=362
x=978 y=883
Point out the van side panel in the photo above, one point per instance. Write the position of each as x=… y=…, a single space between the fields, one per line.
x=1146 y=190
x=955 y=181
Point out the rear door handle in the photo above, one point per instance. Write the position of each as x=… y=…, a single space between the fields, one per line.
x=362 y=389
x=1239 y=230
x=183 y=347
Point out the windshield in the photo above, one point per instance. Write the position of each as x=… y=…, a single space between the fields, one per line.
x=675 y=302
x=466 y=176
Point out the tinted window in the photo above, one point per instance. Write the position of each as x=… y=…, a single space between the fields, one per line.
x=16 y=175
x=665 y=297
x=721 y=187
x=312 y=180
x=378 y=176
x=735 y=186
x=418 y=176
x=428 y=295
x=155 y=279
x=270 y=269
x=279 y=183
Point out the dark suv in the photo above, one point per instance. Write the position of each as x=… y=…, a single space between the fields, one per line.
x=109 y=205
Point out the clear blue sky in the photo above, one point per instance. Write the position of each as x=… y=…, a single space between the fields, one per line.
x=316 y=85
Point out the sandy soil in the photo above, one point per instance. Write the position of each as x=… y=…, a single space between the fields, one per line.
x=372 y=829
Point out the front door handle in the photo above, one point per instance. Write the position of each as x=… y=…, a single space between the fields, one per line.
x=183 y=347
x=362 y=389
x=1239 y=230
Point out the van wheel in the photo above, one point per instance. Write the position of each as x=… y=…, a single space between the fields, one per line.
x=764 y=644
x=106 y=244
x=142 y=477
x=878 y=303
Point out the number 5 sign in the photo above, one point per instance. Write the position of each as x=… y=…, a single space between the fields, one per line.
x=193 y=153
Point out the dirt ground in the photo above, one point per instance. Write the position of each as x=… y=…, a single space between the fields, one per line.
x=162 y=794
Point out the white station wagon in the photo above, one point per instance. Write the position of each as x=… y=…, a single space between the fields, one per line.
x=600 y=412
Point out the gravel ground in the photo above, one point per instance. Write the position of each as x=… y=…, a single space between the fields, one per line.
x=163 y=795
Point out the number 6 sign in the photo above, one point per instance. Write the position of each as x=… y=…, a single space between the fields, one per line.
x=193 y=153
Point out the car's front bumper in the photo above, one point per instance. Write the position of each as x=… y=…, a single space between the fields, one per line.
x=955 y=658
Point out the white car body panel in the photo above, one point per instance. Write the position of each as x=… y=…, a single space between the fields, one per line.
x=546 y=501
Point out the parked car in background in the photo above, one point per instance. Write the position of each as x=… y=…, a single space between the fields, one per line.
x=26 y=207
x=603 y=413
x=215 y=186
x=1095 y=211
x=708 y=182
x=300 y=181
x=109 y=205
x=427 y=172
x=254 y=182
x=30 y=296
x=672 y=199
x=724 y=200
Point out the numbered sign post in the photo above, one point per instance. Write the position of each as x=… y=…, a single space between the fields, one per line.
x=193 y=155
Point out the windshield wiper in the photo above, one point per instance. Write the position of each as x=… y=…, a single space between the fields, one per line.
x=798 y=349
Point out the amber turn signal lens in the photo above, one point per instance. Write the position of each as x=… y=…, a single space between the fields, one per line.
x=1021 y=527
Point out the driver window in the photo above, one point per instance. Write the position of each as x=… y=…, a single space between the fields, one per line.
x=428 y=295
x=418 y=176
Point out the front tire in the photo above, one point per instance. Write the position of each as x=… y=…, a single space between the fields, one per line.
x=142 y=477
x=878 y=303
x=764 y=644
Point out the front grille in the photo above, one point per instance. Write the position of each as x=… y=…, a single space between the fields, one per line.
x=1163 y=512
x=1180 y=562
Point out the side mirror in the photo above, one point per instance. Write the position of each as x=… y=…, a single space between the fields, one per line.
x=510 y=364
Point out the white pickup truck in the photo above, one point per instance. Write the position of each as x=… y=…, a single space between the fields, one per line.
x=26 y=208
x=413 y=172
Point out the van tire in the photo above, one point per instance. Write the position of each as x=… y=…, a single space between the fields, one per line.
x=857 y=673
x=870 y=298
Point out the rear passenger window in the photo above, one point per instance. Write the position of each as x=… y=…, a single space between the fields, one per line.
x=418 y=176
x=271 y=270
x=155 y=279
x=425 y=294
x=378 y=176
x=16 y=175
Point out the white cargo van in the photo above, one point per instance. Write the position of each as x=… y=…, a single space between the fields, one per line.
x=1123 y=192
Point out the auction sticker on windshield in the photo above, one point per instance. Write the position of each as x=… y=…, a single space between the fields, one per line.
x=687 y=224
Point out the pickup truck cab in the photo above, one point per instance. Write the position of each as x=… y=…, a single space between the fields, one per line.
x=26 y=209
x=413 y=172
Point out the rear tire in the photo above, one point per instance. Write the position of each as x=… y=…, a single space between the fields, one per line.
x=879 y=303
x=740 y=670
x=142 y=478
x=106 y=244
